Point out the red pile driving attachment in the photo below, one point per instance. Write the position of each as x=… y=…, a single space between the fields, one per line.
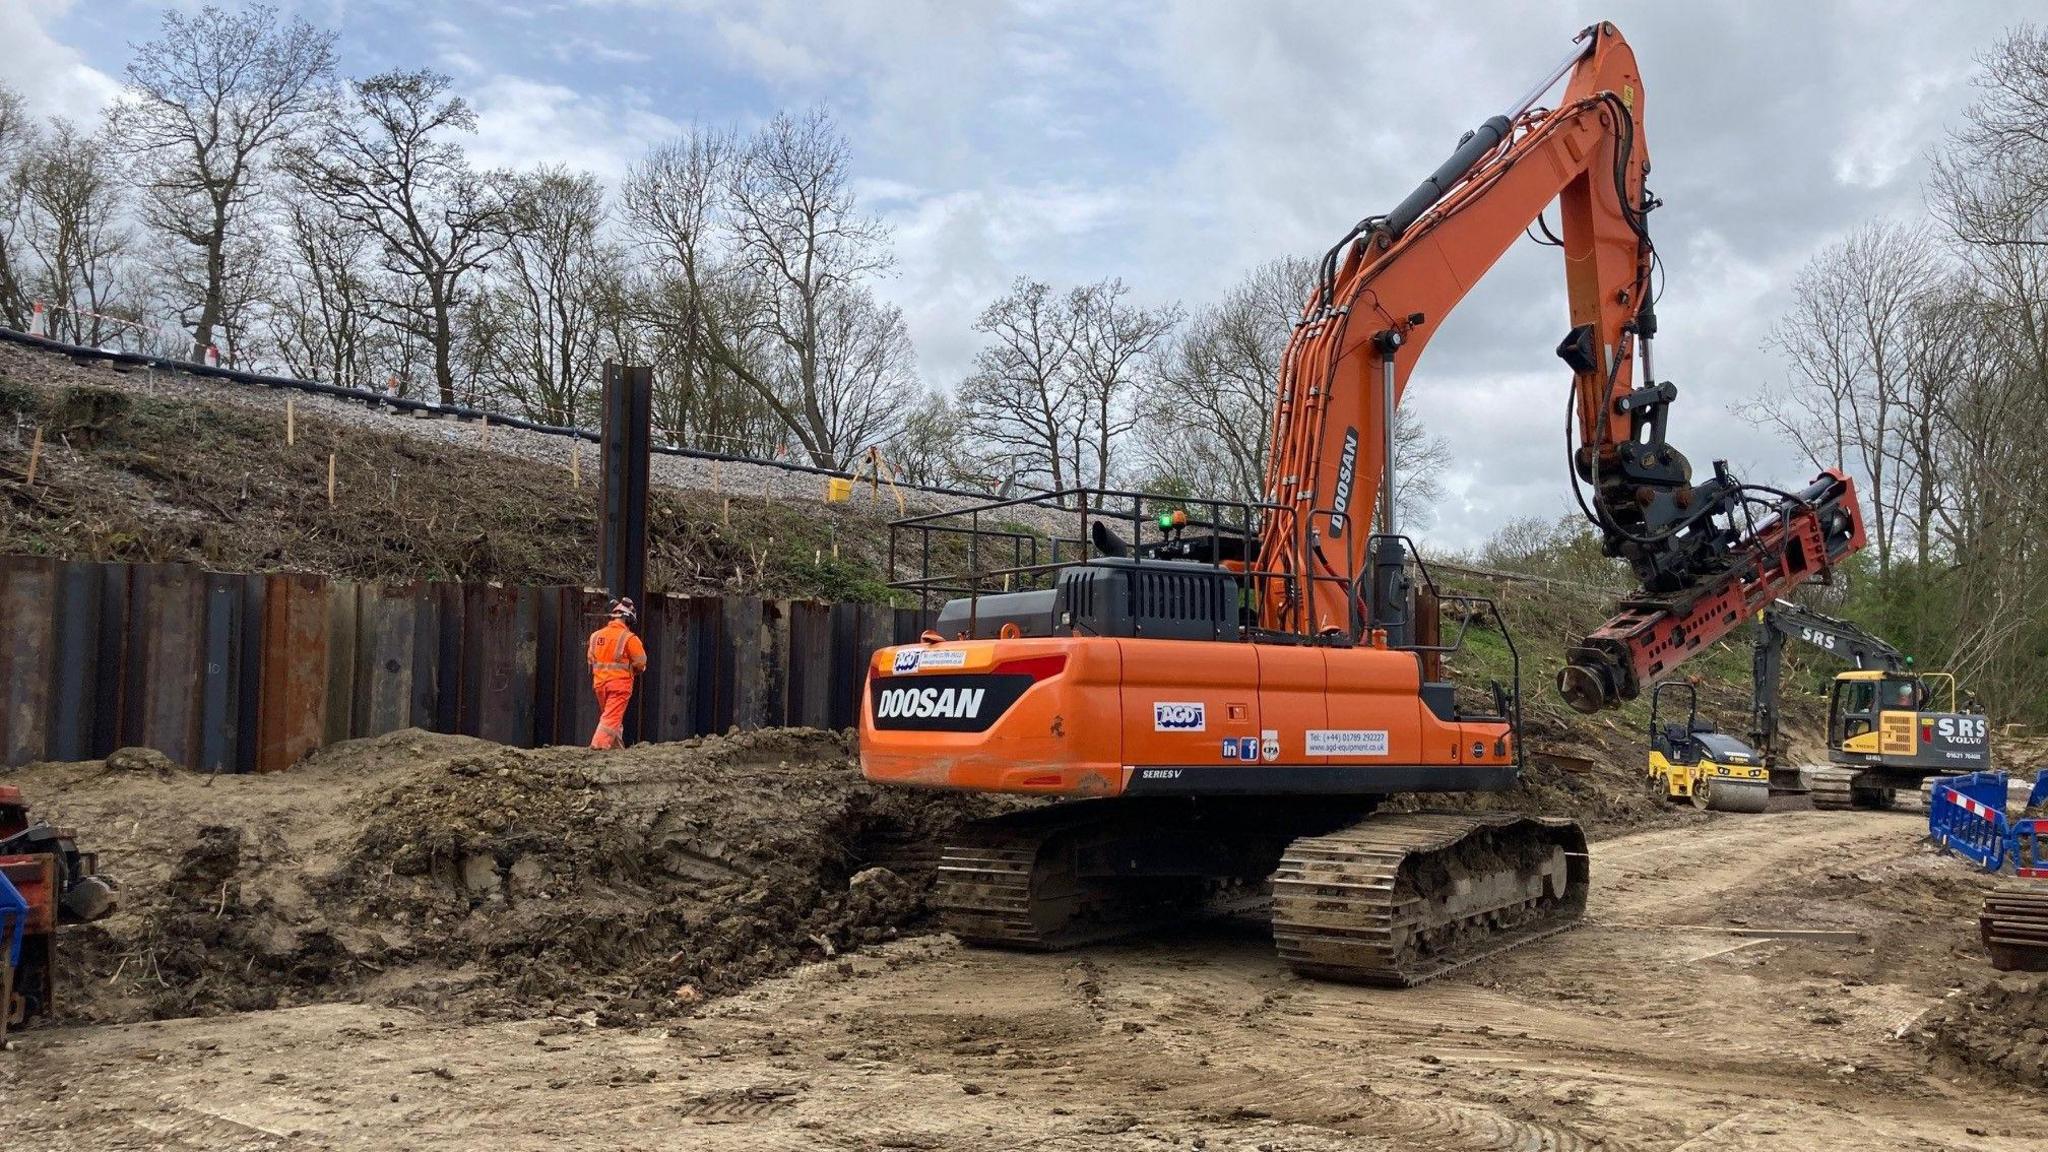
x=1649 y=637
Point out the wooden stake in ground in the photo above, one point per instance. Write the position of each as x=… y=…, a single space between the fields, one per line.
x=728 y=513
x=35 y=456
x=576 y=462
x=330 y=479
x=487 y=429
x=291 y=416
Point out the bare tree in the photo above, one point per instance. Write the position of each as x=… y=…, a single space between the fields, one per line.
x=1023 y=395
x=698 y=401
x=674 y=202
x=389 y=166
x=1116 y=346
x=762 y=261
x=1920 y=361
x=867 y=369
x=932 y=448
x=319 y=319
x=74 y=230
x=207 y=100
x=1420 y=460
x=545 y=307
x=1208 y=415
x=804 y=246
x=1848 y=340
x=1990 y=185
x=18 y=136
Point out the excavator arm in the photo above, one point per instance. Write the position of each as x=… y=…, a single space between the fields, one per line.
x=1707 y=554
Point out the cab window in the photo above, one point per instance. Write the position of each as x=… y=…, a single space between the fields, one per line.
x=1901 y=695
x=1853 y=706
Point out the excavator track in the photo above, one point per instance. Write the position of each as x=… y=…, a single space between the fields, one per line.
x=1399 y=900
x=2014 y=927
x=1835 y=787
x=1016 y=881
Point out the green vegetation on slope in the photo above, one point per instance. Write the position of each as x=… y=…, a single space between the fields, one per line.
x=142 y=478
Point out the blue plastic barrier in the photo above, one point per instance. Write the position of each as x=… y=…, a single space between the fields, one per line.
x=2027 y=851
x=1986 y=788
x=2039 y=795
x=1967 y=817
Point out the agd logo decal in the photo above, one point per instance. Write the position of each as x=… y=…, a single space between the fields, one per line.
x=907 y=660
x=1170 y=716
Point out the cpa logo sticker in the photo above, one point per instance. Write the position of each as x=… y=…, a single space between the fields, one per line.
x=1269 y=744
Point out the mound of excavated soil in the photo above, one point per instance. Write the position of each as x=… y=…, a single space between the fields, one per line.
x=444 y=870
x=1999 y=1028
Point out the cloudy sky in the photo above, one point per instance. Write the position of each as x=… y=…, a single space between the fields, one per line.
x=1178 y=144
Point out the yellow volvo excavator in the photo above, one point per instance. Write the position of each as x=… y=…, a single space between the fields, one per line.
x=1889 y=726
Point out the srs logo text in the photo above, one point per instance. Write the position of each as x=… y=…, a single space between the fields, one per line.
x=1963 y=729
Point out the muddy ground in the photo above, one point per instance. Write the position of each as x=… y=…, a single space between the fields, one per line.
x=459 y=875
x=1655 y=1025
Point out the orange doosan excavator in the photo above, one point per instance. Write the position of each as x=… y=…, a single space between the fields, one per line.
x=1225 y=696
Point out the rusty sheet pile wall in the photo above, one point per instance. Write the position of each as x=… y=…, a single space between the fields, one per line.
x=248 y=672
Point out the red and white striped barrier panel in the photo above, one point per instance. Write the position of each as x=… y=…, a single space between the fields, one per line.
x=1980 y=811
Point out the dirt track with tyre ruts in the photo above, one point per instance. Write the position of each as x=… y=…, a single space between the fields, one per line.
x=1654 y=1026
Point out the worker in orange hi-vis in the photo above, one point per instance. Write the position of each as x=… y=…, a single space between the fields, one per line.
x=616 y=659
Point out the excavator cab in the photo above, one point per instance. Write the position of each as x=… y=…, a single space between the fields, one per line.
x=1861 y=699
x=1692 y=762
x=1905 y=722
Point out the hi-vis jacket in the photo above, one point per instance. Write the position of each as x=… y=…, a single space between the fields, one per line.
x=616 y=654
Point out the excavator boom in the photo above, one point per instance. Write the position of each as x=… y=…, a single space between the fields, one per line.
x=1707 y=554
